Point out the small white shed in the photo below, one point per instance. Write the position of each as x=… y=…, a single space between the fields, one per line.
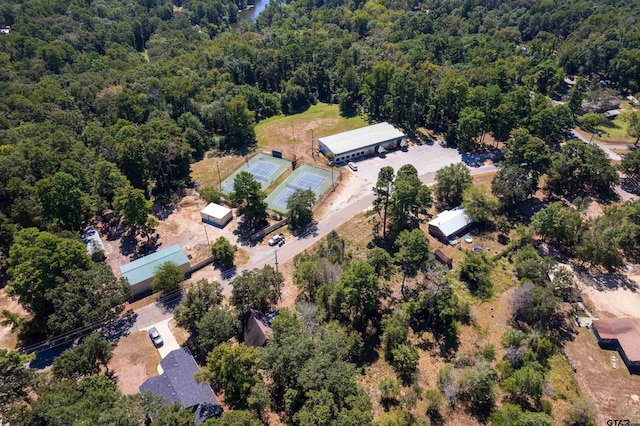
x=217 y=215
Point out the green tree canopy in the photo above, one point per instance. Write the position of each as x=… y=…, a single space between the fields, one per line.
x=300 y=208
x=15 y=380
x=85 y=359
x=308 y=278
x=249 y=197
x=383 y=191
x=451 y=181
x=579 y=167
x=479 y=203
x=558 y=223
x=475 y=270
x=359 y=290
x=197 y=301
x=37 y=262
x=216 y=326
x=167 y=278
x=256 y=289
x=64 y=203
x=223 y=251
x=234 y=368
x=86 y=297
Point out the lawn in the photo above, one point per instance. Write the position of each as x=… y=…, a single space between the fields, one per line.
x=292 y=134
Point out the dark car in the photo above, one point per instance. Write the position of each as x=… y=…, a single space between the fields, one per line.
x=155 y=336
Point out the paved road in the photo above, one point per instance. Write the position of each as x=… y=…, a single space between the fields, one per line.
x=157 y=312
x=607 y=148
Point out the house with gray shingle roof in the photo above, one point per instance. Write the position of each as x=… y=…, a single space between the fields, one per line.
x=177 y=385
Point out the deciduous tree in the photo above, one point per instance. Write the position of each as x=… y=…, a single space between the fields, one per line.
x=234 y=367
x=451 y=181
x=300 y=208
x=167 y=278
x=198 y=300
x=249 y=198
x=37 y=261
x=256 y=289
x=223 y=251
x=85 y=359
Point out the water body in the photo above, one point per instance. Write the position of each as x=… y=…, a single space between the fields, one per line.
x=253 y=12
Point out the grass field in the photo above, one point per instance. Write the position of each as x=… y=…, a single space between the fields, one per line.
x=292 y=134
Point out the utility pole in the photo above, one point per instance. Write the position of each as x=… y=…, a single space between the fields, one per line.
x=276 y=254
x=219 y=177
x=313 y=155
x=207 y=234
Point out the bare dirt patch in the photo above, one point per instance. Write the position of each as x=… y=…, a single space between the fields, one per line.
x=614 y=390
x=616 y=294
x=135 y=359
x=8 y=339
x=179 y=333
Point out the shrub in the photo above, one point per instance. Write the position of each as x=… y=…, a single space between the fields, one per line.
x=223 y=252
x=211 y=194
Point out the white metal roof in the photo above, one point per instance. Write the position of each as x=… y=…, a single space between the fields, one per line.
x=361 y=138
x=451 y=221
x=215 y=210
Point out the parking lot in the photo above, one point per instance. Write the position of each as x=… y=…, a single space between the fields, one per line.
x=425 y=158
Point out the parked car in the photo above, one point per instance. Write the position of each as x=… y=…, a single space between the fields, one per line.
x=352 y=166
x=276 y=239
x=155 y=336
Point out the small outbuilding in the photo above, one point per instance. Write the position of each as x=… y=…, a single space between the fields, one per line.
x=443 y=257
x=450 y=223
x=622 y=334
x=140 y=272
x=177 y=384
x=92 y=239
x=612 y=113
x=216 y=215
x=258 y=329
x=375 y=139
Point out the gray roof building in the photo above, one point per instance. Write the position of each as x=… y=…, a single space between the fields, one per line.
x=177 y=384
x=361 y=141
x=450 y=223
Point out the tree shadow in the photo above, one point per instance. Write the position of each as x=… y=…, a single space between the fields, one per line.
x=169 y=302
x=128 y=245
x=162 y=211
x=631 y=185
x=603 y=281
x=119 y=327
x=308 y=231
x=114 y=230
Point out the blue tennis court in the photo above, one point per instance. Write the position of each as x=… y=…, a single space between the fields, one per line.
x=264 y=168
x=303 y=181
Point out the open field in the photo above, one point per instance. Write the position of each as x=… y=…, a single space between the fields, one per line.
x=616 y=392
x=292 y=134
x=135 y=359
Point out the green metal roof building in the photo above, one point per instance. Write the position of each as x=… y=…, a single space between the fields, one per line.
x=140 y=272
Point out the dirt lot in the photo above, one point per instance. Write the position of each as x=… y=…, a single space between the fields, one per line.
x=616 y=392
x=9 y=340
x=183 y=226
x=612 y=295
x=135 y=359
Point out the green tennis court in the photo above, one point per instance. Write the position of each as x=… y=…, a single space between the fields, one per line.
x=264 y=168
x=304 y=177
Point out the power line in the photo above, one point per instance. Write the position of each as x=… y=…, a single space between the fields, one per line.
x=86 y=329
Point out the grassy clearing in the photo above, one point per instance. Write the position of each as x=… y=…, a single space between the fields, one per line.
x=205 y=171
x=562 y=379
x=284 y=132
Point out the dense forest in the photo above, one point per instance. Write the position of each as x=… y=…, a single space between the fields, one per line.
x=104 y=104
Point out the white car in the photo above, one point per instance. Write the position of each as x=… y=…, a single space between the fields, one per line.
x=155 y=337
x=352 y=166
x=276 y=239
